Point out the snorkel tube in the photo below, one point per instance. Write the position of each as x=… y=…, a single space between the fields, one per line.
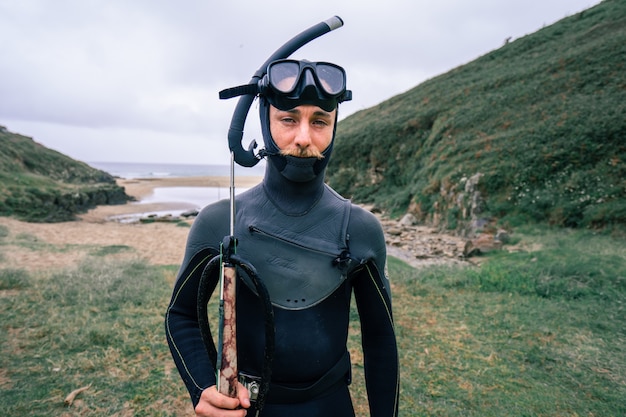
x=247 y=158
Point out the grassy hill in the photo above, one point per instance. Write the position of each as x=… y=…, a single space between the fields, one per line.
x=42 y=185
x=539 y=124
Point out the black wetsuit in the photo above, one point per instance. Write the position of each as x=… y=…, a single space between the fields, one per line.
x=313 y=249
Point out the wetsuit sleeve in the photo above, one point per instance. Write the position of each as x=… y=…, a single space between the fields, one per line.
x=373 y=298
x=181 y=318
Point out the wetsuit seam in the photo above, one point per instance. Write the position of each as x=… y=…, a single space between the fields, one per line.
x=390 y=318
x=387 y=307
x=167 y=322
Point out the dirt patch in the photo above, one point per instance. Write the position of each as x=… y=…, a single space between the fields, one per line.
x=35 y=246
x=40 y=246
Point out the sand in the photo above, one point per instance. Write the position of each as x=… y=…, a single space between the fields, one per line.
x=55 y=246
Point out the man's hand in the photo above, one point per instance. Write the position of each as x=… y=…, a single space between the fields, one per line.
x=214 y=404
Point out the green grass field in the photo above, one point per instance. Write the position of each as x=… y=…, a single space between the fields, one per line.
x=536 y=332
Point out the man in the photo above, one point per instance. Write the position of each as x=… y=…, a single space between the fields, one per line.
x=312 y=248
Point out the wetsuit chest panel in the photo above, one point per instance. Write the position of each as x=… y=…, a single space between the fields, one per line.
x=295 y=256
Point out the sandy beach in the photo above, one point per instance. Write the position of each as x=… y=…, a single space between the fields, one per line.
x=52 y=246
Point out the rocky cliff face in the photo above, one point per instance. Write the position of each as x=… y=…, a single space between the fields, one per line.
x=42 y=185
x=56 y=205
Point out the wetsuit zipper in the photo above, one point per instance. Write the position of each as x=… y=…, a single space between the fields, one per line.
x=255 y=229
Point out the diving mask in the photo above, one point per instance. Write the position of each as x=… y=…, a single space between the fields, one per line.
x=289 y=83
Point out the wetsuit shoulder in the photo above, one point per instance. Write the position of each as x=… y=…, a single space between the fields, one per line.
x=364 y=220
x=208 y=229
x=366 y=237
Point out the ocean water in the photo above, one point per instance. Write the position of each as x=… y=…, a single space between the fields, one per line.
x=187 y=197
x=130 y=170
x=196 y=196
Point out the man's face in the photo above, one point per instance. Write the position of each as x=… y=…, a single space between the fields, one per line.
x=304 y=131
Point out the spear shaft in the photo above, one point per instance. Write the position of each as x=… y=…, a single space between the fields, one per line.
x=227 y=354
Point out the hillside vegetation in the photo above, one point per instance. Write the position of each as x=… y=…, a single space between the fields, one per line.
x=42 y=185
x=538 y=125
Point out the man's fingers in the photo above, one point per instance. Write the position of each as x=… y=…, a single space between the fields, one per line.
x=243 y=395
x=212 y=403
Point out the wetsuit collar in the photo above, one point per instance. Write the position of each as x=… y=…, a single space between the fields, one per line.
x=293 y=198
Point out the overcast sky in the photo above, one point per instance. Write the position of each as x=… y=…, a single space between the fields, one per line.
x=138 y=80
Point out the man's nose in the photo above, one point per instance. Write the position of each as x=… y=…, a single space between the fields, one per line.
x=303 y=136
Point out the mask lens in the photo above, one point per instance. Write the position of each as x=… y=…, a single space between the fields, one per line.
x=284 y=76
x=331 y=78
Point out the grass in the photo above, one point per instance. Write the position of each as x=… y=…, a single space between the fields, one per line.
x=99 y=325
x=536 y=332
x=495 y=341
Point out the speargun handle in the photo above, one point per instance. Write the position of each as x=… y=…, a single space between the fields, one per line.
x=228 y=371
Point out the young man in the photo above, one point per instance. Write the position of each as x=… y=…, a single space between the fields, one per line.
x=313 y=249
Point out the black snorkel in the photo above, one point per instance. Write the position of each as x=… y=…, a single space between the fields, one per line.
x=225 y=264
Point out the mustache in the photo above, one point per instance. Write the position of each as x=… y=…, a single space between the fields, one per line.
x=302 y=153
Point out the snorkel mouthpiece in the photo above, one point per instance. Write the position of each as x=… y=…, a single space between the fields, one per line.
x=299 y=169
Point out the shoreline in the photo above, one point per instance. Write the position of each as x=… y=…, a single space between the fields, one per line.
x=141 y=188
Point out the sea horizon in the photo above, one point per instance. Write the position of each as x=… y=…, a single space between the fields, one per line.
x=134 y=170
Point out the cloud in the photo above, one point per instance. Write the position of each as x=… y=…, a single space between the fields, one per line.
x=86 y=77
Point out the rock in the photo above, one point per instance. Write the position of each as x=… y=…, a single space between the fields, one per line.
x=484 y=243
x=479 y=224
x=189 y=213
x=502 y=236
x=420 y=245
x=408 y=220
x=166 y=218
x=394 y=231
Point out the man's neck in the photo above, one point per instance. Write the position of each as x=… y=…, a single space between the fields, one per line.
x=291 y=197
